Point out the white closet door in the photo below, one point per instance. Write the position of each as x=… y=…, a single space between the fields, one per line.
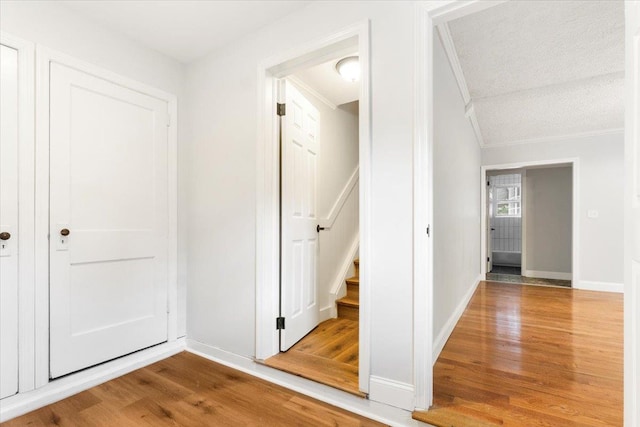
x=108 y=190
x=8 y=221
x=300 y=148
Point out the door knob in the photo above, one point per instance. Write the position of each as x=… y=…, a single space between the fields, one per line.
x=64 y=232
x=5 y=236
x=319 y=229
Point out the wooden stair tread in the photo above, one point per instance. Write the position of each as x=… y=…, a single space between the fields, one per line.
x=351 y=302
x=355 y=280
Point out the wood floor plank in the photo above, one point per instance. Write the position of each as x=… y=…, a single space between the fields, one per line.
x=532 y=356
x=328 y=355
x=188 y=390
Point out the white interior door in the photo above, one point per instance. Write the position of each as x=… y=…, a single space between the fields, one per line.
x=632 y=208
x=300 y=147
x=490 y=226
x=108 y=191
x=8 y=221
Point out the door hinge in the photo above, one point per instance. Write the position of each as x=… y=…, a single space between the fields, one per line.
x=488 y=259
x=279 y=323
x=488 y=183
x=281 y=109
x=429 y=230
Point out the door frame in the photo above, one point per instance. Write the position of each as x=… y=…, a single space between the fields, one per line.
x=25 y=230
x=575 y=210
x=267 y=200
x=44 y=56
x=428 y=15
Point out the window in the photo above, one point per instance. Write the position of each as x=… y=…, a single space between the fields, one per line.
x=507 y=200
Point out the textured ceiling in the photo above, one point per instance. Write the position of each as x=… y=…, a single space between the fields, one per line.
x=184 y=29
x=538 y=69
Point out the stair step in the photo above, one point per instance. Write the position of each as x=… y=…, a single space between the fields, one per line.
x=348 y=308
x=349 y=302
x=353 y=287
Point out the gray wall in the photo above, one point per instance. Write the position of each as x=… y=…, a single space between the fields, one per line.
x=456 y=198
x=601 y=184
x=548 y=211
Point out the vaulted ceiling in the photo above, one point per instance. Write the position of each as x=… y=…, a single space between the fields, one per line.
x=542 y=69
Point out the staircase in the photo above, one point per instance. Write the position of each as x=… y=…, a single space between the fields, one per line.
x=349 y=305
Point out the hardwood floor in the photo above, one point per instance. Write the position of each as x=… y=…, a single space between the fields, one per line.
x=188 y=390
x=532 y=356
x=328 y=355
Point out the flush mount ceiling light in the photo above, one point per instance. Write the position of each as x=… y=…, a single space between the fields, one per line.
x=349 y=68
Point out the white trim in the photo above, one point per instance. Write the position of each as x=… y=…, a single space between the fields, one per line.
x=575 y=208
x=342 y=198
x=554 y=275
x=423 y=208
x=380 y=412
x=454 y=61
x=448 y=328
x=557 y=138
x=631 y=209
x=586 y=285
x=267 y=241
x=25 y=231
x=470 y=112
x=44 y=56
x=302 y=85
x=394 y=393
x=67 y=386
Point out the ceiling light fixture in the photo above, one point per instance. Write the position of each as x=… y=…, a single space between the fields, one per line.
x=349 y=68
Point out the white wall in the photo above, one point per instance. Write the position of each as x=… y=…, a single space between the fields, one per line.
x=548 y=199
x=55 y=26
x=223 y=100
x=456 y=199
x=600 y=187
x=338 y=159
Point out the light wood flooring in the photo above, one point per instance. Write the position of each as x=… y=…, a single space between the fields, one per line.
x=188 y=390
x=328 y=355
x=532 y=356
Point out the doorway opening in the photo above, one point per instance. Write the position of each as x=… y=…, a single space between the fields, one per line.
x=529 y=225
x=311 y=286
x=504 y=325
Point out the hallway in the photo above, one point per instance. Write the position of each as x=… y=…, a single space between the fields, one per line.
x=530 y=355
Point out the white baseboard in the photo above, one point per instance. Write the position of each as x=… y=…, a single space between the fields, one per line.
x=394 y=393
x=446 y=331
x=62 y=388
x=327 y=313
x=599 y=286
x=547 y=275
x=377 y=411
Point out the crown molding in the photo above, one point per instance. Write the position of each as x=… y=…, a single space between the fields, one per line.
x=556 y=138
x=454 y=61
x=302 y=85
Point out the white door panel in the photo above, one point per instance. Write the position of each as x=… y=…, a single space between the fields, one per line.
x=108 y=187
x=632 y=223
x=8 y=221
x=299 y=219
